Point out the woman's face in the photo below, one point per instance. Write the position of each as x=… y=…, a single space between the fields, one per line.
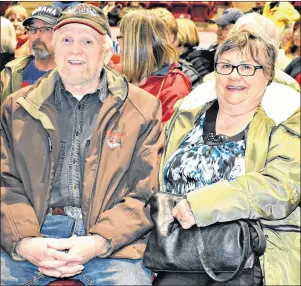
x=296 y=37
x=239 y=94
x=17 y=20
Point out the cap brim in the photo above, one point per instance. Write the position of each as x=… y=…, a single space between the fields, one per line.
x=98 y=28
x=46 y=19
x=220 y=21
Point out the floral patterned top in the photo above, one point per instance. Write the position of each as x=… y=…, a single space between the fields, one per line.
x=201 y=160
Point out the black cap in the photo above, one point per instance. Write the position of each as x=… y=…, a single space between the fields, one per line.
x=46 y=13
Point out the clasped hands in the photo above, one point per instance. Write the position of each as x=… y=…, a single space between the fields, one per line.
x=182 y=212
x=61 y=257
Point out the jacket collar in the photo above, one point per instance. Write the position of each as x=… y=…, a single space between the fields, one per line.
x=44 y=87
x=276 y=106
x=19 y=63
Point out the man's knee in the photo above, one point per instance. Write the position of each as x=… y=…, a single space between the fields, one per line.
x=117 y=272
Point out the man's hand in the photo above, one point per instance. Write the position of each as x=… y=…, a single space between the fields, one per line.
x=36 y=251
x=87 y=247
x=182 y=212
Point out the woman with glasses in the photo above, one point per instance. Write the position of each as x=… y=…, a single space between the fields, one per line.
x=148 y=59
x=233 y=150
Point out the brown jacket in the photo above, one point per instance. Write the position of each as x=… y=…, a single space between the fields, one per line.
x=118 y=178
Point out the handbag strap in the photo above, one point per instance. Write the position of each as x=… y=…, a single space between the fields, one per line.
x=245 y=254
x=258 y=238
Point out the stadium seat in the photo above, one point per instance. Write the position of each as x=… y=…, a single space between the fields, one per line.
x=201 y=11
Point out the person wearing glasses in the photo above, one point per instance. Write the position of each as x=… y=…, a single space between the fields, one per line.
x=233 y=150
x=79 y=161
x=26 y=70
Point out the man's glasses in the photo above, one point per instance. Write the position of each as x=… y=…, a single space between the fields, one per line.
x=243 y=69
x=44 y=29
x=119 y=38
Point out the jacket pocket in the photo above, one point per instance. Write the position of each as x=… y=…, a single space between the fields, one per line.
x=60 y=163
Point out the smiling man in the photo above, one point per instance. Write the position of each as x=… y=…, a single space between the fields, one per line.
x=79 y=154
x=26 y=70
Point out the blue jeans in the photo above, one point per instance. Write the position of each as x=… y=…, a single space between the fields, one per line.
x=98 y=271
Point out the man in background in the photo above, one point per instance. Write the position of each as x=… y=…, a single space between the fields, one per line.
x=26 y=70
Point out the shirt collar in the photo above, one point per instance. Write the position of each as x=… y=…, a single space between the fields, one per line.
x=102 y=89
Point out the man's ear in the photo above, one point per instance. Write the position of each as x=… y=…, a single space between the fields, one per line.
x=108 y=55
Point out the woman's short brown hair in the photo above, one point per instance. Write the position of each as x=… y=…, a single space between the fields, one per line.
x=146 y=45
x=253 y=47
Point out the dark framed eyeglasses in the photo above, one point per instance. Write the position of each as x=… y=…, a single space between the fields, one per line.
x=43 y=29
x=243 y=69
x=119 y=38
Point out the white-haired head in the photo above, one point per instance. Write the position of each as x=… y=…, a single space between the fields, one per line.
x=8 y=36
x=259 y=25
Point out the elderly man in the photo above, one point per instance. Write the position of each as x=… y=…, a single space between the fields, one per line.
x=79 y=154
x=26 y=70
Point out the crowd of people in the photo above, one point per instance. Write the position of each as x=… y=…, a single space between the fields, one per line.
x=85 y=143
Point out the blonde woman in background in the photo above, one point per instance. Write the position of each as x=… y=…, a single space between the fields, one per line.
x=149 y=59
x=188 y=37
x=8 y=42
x=17 y=14
x=171 y=24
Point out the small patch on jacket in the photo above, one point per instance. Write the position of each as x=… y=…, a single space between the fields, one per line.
x=114 y=140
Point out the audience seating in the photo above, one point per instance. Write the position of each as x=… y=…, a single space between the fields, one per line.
x=157 y=4
x=180 y=7
x=201 y=11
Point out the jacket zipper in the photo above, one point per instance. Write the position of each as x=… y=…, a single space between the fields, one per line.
x=283 y=228
x=49 y=185
x=46 y=167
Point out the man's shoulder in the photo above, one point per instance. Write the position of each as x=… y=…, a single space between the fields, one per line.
x=36 y=93
x=19 y=63
x=11 y=102
x=143 y=101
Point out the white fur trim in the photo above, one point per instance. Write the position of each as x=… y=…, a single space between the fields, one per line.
x=279 y=101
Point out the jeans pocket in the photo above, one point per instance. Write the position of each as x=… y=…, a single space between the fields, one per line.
x=60 y=163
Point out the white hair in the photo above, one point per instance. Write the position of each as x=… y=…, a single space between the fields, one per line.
x=260 y=25
x=8 y=36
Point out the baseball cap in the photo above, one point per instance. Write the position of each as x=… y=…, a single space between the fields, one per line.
x=229 y=16
x=87 y=15
x=46 y=13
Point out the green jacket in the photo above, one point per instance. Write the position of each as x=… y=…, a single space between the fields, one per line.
x=270 y=188
x=12 y=76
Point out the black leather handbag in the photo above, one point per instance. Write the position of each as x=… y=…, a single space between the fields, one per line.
x=217 y=249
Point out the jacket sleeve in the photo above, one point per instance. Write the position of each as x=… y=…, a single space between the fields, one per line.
x=5 y=89
x=176 y=86
x=13 y=197
x=272 y=193
x=129 y=220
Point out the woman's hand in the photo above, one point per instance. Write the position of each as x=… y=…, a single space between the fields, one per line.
x=182 y=212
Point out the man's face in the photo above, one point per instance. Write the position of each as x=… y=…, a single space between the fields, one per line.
x=222 y=32
x=41 y=42
x=80 y=53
